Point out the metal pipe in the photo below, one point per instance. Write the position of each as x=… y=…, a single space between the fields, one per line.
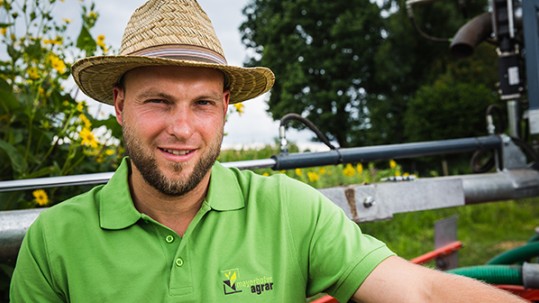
x=300 y=160
x=386 y=152
x=100 y=178
x=513 y=116
x=13 y=226
x=385 y=199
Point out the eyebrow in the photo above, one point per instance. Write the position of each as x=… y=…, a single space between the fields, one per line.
x=154 y=94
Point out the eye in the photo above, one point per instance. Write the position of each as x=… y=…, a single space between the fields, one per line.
x=204 y=102
x=156 y=101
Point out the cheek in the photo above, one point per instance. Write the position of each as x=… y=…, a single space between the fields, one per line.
x=210 y=127
x=145 y=124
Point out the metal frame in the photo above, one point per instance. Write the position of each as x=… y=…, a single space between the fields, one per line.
x=530 y=10
x=360 y=202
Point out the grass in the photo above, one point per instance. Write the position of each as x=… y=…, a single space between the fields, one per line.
x=485 y=230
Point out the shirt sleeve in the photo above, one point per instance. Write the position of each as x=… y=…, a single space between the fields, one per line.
x=32 y=279
x=339 y=255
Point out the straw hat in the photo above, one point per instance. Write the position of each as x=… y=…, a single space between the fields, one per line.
x=168 y=32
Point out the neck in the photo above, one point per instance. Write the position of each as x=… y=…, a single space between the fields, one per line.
x=175 y=212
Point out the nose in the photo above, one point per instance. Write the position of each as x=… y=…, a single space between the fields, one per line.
x=181 y=123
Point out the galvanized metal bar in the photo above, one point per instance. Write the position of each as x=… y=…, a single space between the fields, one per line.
x=363 y=202
x=300 y=160
x=100 y=178
x=13 y=226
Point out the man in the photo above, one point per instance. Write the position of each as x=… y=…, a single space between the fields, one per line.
x=172 y=225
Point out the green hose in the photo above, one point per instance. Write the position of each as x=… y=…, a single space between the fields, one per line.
x=533 y=238
x=517 y=255
x=492 y=274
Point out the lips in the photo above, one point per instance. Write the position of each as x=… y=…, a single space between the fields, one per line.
x=177 y=152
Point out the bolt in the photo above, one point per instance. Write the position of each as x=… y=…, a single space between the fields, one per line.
x=368 y=201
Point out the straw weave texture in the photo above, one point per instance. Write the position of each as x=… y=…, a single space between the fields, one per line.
x=177 y=25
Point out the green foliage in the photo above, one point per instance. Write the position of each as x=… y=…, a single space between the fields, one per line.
x=44 y=129
x=412 y=234
x=355 y=68
x=322 y=54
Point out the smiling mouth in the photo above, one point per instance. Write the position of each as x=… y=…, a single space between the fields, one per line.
x=176 y=152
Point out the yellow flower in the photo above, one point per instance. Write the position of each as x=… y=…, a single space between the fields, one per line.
x=58 y=40
x=85 y=121
x=349 y=170
x=41 y=197
x=359 y=168
x=101 y=41
x=298 y=172
x=239 y=108
x=3 y=31
x=81 y=106
x=322 y=170
x=41 y=91
x=313 y=177
x=88 y=138
x=33 y=73
x=265 y=174
x=57 y=63
x=392 y=164
x=110 y=152
x=92 y=15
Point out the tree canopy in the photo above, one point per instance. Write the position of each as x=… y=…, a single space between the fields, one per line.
x=354 y=68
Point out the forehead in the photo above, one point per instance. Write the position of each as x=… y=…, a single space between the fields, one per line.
x=178 y=73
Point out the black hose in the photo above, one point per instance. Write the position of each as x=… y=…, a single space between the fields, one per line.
x=310 y=125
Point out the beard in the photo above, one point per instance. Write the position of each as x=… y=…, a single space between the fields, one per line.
x=147 y=165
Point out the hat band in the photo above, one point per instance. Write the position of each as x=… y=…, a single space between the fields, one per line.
x=182 y=52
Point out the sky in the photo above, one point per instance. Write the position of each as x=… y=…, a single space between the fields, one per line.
x=252 y=129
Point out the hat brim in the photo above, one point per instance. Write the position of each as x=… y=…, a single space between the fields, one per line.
x=96 y=76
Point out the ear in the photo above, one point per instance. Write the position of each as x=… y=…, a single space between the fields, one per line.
x=119 y=100
x=226 y=100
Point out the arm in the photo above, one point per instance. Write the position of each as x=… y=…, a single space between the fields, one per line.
x=397 y=280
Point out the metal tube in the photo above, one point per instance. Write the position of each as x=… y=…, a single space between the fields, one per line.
x=13 y=226
x=100 y=178
x=513 y=116
x=386 y=199
x=386 y=152
x=300 y=160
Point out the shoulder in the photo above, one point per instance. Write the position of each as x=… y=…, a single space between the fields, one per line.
x=82 y=209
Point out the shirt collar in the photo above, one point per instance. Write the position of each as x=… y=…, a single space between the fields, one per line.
x=225 y=192
x=117 y=210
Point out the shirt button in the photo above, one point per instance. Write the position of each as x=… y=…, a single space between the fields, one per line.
x=169 y=239
x=179 y=262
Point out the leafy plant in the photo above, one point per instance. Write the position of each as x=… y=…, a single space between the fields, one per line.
x=46 y=128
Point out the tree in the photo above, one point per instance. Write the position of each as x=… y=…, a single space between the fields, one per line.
x=323 y=56
x=353 y=67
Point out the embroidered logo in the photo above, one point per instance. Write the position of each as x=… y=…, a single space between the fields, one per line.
x=229 y=284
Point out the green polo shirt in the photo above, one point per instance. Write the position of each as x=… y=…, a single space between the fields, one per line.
x=255 y=239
